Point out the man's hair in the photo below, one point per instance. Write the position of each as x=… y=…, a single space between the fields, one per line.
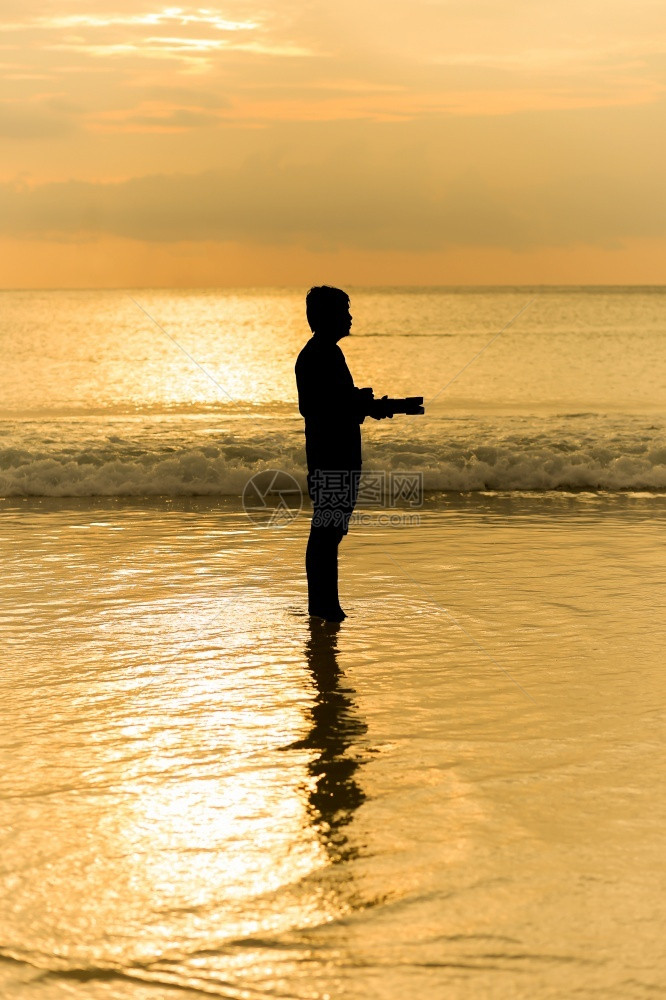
x=322 y=303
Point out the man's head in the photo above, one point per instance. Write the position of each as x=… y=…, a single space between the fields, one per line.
x=327 y=310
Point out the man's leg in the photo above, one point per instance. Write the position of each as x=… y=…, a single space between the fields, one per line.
x=330 y=519
x=321 y=566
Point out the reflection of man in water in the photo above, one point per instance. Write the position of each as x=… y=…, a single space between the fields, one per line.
x=334 y=408
x=334 y=736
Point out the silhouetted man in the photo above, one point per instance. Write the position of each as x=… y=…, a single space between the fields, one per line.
x=334 y=408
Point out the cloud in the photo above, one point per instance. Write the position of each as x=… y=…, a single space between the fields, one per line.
x=172 y=119
x=180 y=16
x=166 y=93
x=407 y=125
x=516 y=188
x=287 y=59
x=191 y=35
x=34 y=123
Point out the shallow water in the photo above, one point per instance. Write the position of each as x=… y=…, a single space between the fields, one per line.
x=456 y=793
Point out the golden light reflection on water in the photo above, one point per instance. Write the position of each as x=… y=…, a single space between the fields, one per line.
x=237 y=795
x=193 y=767
x=207 y=790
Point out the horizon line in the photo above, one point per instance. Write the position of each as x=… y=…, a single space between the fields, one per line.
x=350 y=285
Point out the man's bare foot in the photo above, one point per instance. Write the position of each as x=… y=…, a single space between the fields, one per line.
x=328 y=614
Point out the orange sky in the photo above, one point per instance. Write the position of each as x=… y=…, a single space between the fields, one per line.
x=402 y=141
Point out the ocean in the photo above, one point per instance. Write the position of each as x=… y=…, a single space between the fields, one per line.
x=454 y=793
x=99 y=399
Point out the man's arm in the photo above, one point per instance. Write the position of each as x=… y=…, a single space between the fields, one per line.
x=362 y=400
x=326 y=390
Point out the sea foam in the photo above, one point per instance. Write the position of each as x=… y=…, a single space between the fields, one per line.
x=123 y=469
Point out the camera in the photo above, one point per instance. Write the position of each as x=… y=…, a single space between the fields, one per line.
x=410 y=404
x=385 y=407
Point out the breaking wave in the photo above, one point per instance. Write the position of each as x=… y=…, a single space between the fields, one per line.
x=119 y=469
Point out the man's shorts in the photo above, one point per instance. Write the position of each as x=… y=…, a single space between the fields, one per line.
x=333 y=493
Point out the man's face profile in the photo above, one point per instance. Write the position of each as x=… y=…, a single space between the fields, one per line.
x=340 y=321
x=346 y=320
x=337 y=323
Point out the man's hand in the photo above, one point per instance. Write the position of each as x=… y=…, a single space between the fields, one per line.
x=380 y=408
